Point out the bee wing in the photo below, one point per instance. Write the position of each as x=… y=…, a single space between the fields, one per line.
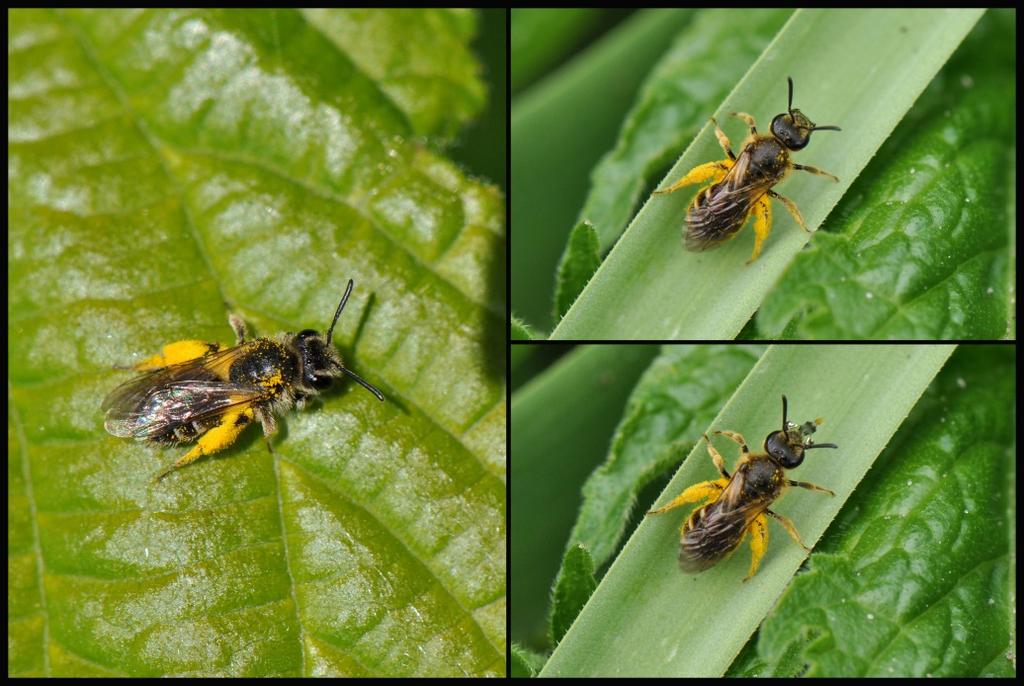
x=179 y=403
x=723 y=527
x=210 y=367
x=157 y=401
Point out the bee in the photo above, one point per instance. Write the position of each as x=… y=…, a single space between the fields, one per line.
x=738 y=504
x=741 y=186
x=198 y=390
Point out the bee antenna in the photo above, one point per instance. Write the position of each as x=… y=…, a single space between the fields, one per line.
x=820 y=445
x=330 y=332
x=366 y=384
x=826 y=128
x=784 y=397
x=341 y=306
x=790 y=108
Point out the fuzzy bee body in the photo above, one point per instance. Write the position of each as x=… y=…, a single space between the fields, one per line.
x=199 y=391
x=741 y=186
x=738 y=504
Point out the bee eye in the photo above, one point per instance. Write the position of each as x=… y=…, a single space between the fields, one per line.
x=778 y=446
x=785 y=129
x=320 y=381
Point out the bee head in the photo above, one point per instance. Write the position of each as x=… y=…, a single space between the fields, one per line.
x=319 y=363
x=787 y=446
x=792 y=128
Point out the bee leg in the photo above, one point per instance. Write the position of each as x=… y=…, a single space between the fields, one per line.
x=220 y=436
x=791 y=206
x=748 y=119
x=758 y=543
x=696 y=492
x=238 y=326
x=715 y=171
x=716 y=457
x=762 y=211
x=788 y=524
x=723 y=140
x=809 y=486
x=815 y=170
x=269 y=426
x=736 y=438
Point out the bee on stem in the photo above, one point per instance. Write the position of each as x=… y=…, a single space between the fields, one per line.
x=741 y=186
x=738 y=504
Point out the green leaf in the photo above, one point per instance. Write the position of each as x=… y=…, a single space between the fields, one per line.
x=165 y=168
x=520 y=331
x=419 y=59
x=579 y=262
x=573 y=587
x=646 y=617
x=636 y=291
x=525 y=662
x=927 y=543
x=922 y=245
x=481 y=147
x=562 y=421
x=559 y=129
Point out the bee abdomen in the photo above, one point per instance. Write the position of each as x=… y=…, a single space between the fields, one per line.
x=709 y=223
